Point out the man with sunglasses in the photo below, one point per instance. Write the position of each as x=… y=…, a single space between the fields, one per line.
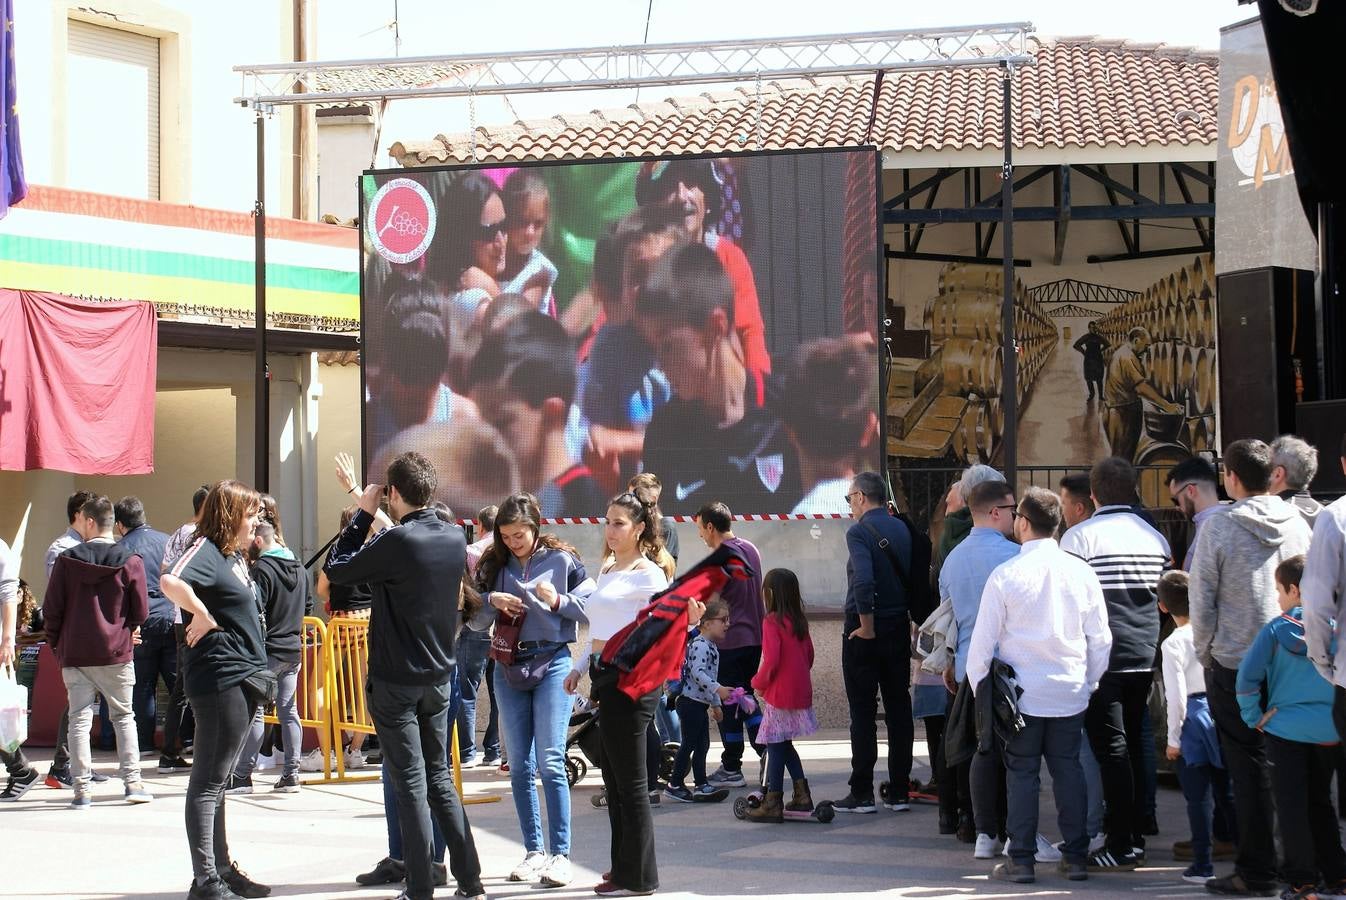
x=961 y=581
x=876 y=645
x=1194 y=486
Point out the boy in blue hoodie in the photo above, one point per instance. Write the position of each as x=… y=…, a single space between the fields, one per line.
x=1302 y=742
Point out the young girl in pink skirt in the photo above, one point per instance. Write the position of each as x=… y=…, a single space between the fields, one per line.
x=786 y=689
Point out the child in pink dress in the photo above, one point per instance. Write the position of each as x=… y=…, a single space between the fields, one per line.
x=786 y=688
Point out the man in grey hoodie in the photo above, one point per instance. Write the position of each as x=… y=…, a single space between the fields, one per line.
x=1323 y=589
x=1232 y=595
x=1294 y=462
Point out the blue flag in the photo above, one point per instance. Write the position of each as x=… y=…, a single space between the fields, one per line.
x=12 y=186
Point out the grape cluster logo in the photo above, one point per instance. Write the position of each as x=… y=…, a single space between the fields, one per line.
x=401 y=220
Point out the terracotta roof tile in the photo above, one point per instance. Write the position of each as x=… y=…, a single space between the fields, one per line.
x=1082 y=92
x=379 y=79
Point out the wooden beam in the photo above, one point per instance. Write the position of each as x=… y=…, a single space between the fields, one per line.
x=1061 y=196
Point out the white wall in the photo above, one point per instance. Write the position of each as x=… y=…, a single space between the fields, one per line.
x=216 y=146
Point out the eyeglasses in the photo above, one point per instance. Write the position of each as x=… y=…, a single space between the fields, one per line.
x=715 y=619
x=850 y=498
x=1177 y=490
x=1014 y=510
x=486 y=233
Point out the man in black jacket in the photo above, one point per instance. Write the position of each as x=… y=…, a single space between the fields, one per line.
x=282 y=587
x=415 y=570
x=876 y=648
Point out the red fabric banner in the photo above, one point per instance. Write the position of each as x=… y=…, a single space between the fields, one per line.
x=77 y=383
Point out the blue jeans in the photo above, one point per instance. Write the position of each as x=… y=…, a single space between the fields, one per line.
x=390 y=796
x=1204 y=787
x=287 y=680
x=155 y=657
x=667 y=721
x=535 y=723
x=1057 y=740
x=473 y=647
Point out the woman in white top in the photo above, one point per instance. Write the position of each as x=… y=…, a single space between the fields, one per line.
x=629 y=578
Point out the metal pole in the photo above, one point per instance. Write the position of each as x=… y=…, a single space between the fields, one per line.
x=1009 y=379
x=261 y=389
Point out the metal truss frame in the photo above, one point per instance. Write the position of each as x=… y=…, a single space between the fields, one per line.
x=1004 y=46
x=1072 y=290
x=642 y=65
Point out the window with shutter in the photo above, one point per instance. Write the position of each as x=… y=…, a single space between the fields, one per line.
x=112 y=111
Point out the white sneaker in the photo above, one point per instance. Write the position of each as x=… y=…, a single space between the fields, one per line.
x=988 y=847
x=312 y=761
x=1046 y=852
x=556 y=873
x=530 y=868
x=355 y=759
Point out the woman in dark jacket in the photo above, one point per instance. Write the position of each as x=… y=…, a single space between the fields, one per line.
x=212 y=585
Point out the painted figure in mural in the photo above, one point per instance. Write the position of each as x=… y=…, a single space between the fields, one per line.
x=1126 y=384
x=1091 y=347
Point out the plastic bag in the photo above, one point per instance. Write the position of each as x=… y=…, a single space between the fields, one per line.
x=13 y=711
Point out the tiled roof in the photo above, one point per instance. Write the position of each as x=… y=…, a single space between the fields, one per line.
x=382 y=79
x=1082 y=92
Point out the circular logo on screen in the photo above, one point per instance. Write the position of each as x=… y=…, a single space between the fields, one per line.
x=401 y=220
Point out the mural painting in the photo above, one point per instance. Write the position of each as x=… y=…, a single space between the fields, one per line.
x=1101 y=370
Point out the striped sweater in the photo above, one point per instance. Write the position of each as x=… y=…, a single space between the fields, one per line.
x=1128 y=556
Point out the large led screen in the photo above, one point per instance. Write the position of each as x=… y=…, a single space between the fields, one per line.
x=559 y=327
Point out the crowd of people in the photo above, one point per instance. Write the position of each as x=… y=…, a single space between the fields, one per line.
x=1050 y=617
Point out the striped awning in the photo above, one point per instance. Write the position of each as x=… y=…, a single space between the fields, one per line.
x=85 y=244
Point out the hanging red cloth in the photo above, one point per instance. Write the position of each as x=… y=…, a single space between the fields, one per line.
x=77 y=382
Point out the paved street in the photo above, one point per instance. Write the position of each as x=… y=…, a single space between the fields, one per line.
x=311 y=845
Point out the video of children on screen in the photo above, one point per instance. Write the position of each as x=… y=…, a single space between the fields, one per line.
x=561 y=327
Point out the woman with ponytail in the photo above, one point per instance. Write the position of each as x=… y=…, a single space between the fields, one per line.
x=633 y=572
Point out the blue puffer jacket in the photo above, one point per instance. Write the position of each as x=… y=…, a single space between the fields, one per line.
x=1299 y=700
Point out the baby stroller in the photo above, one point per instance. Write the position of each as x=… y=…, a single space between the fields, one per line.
x=582 y=745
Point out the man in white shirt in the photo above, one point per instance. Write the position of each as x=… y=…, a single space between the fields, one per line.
x=1043 y=614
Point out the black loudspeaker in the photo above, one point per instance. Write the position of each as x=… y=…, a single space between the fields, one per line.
x=1323 y=424
x=1268 y=354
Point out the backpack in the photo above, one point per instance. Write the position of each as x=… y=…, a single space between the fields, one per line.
x=651 y=650
x=921 y=600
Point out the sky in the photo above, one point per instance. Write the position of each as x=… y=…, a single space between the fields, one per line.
x=359 y=29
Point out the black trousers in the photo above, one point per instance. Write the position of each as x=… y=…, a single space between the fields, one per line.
x=623 y=724
x=178 y=721
x=412 y=722
x=223 y=719
x=737 y=667
x=155 y=657
x=1245 y=759
x=1113 y=722
x=1301 y=778
x=955 y=782
x=870 y=669
x=694 y=717
x=990 y=791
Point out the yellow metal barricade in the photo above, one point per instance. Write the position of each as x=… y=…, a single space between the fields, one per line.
x=311 y=690
x=346 y=663
x=347 y=666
